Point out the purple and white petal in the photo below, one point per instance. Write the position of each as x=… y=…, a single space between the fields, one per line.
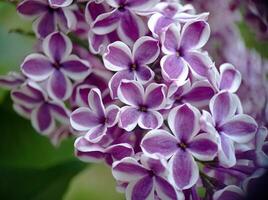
x=75 y=68
x=37 y=67
x=222 y=106
x=42 y=120
x=184 y=171
x=44 y=25
x=230 y=78
x=116 y=80
x=59 y=87
x=142 y=189
x=155 y=96
x=60 y=112
x=159 y=143
x=157 y=23
x=57 y=46
x=12 y=80
x=131 y=93
x=174 y=68
x=117 y=56
x=128 y=169
x=128 y=118
x=195 y=34
x=120 y=151
x=106 y=22
x=203 y=147
x=184 y=122
x=171 y=39
x=112 y=115
x=131 y=27
x=150 y=120
x=59 y=3
x=95 y=134
x=231 y=192
x=31 y=8
x=141 y=5
x=240 y=128
x=83 y=119
x=145 y=50
x=95 y=102
x=144 y=74
x=226 y=151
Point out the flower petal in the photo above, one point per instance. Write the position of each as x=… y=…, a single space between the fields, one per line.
x=171 y=39
x=120 y=151
x=95 y=134
x=184 y=122
x=42 y=120
x=159 y=142
x=116 y=80
x=117 y=57
x=141 y=189
x=155 y=96
x=203 y=147
x=31 y=8
x=128 y=169
x=128 y=118
x=59 y=87
x=60 y=3
x=141 y=5
x=226 y=152
x=230 y=78
x=195 y=34
x=158 y=22
x=184 y=171
x=44 y=25
x=131 y=93
x=146 y=50
x=131 y=27
x=75 y=68
x=112 y=114
x=240 y=128
x=83 y=119
x=174 y=68
x=57 y=46
x=144 y=74
x=106 y=22
x=222 y=106
x=231 y=192
x=150 y=120
x=37 y=67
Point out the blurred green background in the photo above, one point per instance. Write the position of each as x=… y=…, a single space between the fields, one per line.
x=30 y=167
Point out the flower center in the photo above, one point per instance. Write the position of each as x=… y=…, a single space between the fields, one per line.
x=121 y=8
x=57 y=65
x=133 y=67
x=182 y=145
x=143 y=108
x=179 y=52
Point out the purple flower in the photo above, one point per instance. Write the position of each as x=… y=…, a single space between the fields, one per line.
x=142 y=106
x=131 y=65
x=44 y=112
x=48 y=15
x=12 y=80
x=124 y=19
x=169 y=13
x=96 y=119
x=228 y=125
x=56 y=67
x=145 y=180
x=182 y=147
x=96 y=152
x=182 y=51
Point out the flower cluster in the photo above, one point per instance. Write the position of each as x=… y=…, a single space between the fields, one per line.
x=144 y=97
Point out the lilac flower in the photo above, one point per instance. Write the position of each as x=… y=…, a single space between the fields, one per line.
x=182 y=147
x=48 y=15
x=131 y=66
x=96 y=152
x=145 y=179
x=142 y=106
x=169 y=13
x=56 y=67
x=124 y=19
x=182 y=51
x=44 y=112
x=228 y=125
x=12 y=80
x=96 y=119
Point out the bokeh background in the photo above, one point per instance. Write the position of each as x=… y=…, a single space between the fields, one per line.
x=31 y=168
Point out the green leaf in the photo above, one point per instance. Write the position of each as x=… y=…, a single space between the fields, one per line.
x=37 y=184
x=21 y=146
